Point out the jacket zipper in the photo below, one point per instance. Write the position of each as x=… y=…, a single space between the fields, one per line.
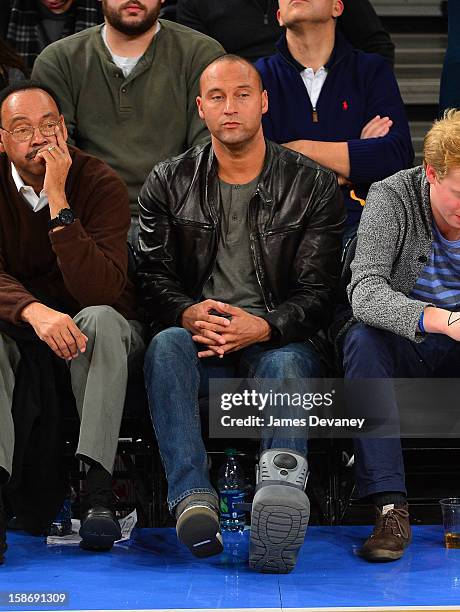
x=211 y=270
x=194 y=224
x=216 y=227
x=290 y=228
x=314 y=113
x=253 y=249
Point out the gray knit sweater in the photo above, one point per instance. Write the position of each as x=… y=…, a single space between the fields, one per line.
x=394 y=243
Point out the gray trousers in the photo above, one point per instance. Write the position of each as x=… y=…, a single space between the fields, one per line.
x=99 y=377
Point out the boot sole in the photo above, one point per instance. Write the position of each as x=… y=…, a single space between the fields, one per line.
x=381 y=556
x=198 y=528
x=99 y=533
x=279 y=522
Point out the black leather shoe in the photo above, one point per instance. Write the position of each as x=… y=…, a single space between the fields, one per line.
x=99 y=529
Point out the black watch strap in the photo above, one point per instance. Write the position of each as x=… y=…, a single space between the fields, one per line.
x=64 y=217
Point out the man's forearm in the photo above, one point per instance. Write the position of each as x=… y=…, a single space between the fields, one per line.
x=266 y=331
x=30 y=311
x=332 y=155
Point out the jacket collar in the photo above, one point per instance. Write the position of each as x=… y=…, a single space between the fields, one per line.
x=262 y=190
x=341 y=48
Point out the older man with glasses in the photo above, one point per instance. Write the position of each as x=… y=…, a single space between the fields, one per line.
x=64 y=219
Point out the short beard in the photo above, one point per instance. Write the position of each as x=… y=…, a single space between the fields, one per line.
x=136 y=29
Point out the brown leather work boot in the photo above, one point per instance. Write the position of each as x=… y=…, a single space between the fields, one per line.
x=391 y=535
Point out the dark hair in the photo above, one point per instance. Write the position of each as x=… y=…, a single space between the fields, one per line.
x=231 y=57
x=10 y=59
x=26 y=86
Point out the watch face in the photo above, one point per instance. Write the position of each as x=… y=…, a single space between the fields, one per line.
x=66 y=216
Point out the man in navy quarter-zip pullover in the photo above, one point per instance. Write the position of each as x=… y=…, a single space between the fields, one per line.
x=337 y=105
x=250 y=28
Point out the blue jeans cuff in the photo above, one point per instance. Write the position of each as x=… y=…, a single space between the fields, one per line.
x=172 y=504
x=380 y=487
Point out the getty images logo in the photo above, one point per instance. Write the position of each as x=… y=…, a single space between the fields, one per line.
x=260 y=401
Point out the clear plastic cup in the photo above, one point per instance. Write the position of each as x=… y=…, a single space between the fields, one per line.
x=450 y=507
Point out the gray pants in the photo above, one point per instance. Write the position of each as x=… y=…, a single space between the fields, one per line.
x=99 y=378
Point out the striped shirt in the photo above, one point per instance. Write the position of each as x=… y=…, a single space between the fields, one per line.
x=439 y=282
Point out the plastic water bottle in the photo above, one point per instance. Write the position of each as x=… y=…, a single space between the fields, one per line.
x=231 y=492
x=62 y=524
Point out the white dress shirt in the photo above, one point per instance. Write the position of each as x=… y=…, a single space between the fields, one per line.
x=314 y=82
x=36 y=202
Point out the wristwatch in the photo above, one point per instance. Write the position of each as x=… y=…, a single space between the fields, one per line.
x=64 y=217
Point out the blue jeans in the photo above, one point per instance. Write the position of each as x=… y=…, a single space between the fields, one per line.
x=175 y=378
x=380 y=354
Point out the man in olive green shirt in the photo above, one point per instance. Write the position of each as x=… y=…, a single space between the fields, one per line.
x=128 y=87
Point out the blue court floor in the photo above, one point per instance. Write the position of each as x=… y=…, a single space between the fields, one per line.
x=152 y=571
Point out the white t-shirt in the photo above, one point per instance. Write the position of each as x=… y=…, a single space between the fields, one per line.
x=126 y=64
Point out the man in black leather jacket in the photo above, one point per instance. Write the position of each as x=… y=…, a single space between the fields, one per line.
x=240 y=245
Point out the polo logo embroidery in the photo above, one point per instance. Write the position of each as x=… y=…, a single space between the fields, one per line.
x=345 y=105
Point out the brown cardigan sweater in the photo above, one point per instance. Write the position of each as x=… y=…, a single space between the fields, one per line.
x=84 y=264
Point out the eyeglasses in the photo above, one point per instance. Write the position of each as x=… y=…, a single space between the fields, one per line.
x=21 y=134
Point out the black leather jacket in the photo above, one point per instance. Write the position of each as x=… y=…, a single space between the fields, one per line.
x=296 y=219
